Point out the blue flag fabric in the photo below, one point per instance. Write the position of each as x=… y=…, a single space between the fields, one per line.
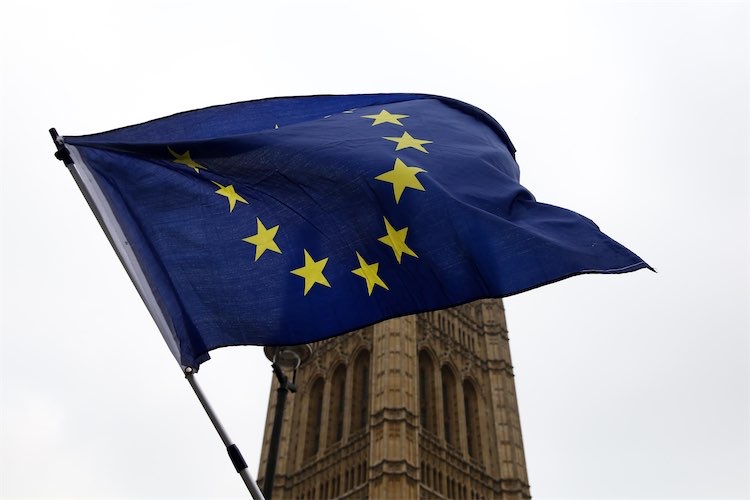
x=289 y=220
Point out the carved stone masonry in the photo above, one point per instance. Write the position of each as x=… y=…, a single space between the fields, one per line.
x=417 y=407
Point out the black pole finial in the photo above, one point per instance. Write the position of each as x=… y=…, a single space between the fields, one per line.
x=62 y=152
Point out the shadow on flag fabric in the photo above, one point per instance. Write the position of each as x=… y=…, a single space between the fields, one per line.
x=290 y=220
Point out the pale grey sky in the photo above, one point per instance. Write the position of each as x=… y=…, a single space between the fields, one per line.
x=635 y=114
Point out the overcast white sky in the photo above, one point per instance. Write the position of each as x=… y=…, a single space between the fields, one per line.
x=635 y=114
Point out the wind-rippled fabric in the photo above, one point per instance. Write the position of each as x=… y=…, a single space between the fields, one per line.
x=289 y=220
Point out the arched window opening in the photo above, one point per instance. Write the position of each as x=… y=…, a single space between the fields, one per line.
x=361 y=392
x=427 y=417
x=471 y=412
x=450 y=407
x=314 y=417
x=336 y=416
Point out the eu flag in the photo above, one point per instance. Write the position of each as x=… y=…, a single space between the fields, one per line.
x=289 y=220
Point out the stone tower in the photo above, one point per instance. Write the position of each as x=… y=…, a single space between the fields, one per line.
x=422 y=406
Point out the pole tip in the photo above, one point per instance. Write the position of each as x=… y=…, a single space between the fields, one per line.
x=62 y=152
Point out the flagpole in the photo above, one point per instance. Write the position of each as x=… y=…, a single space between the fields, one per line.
x=234 y=453
x=118 y=241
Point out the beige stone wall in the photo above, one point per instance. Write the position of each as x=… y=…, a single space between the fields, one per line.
x=430 y=411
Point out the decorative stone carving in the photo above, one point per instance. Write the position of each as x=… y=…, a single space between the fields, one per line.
x=400 y=449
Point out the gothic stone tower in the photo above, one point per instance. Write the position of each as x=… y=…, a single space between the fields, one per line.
x=422 y=406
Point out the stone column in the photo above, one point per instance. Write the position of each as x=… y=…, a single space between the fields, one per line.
x=394 y=461
x=513 y=477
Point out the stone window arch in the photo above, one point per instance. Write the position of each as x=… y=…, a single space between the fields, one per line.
x=427 y=396
x=471 y=414
x=314 y=418
x=450 y=406
x=337 y=410
x=360 y=411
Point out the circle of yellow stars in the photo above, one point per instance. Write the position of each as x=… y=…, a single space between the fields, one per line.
x=401 y=177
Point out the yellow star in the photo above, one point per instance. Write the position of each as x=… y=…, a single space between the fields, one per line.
x=370 y=273
x=231 y=195
x=312 y=271
x=396 y=240
x=402 y=177
x=407 y=141
x=185 y=159
x=263 y=240
x=386 y=117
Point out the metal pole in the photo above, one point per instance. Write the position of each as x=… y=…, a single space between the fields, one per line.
x=103 y=215
x=273 y=447
x=234 y=453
